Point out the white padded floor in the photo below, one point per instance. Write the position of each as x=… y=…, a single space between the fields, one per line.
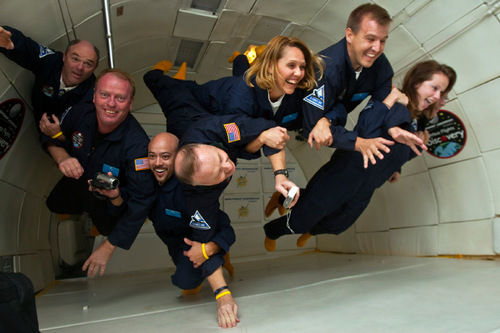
x=306 y=292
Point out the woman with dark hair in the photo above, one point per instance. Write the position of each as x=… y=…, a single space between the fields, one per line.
x=340 y=191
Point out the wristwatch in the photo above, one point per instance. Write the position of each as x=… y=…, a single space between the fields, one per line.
x=281 y=172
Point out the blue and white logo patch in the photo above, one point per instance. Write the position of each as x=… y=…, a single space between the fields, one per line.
x=44 y=51
x=317 y=98
x=198 y=222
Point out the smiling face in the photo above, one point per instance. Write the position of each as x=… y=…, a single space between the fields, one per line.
x=80 y=61
x=430 y=91
x=291 y=69
x=214 y=166
x=113 y=101
x=365 y=46
x=161 y=156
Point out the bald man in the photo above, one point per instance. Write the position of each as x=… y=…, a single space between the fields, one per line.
x=61 y=79
x=194 y=261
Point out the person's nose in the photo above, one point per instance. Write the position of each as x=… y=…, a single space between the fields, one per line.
x=79 y=65
x=227 y=167
x=376 y=46
x=158 y=161
x=111 y=102
x=437 y=95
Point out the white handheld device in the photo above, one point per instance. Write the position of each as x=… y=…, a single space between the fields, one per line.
x=289 y=198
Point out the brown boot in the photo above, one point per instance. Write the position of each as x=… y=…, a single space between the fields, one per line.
x=181 y=72
x=194 y=291
x=273 y=204
x=302 y=240
x=227 y=264
x=164 y=66
x=270 y=244
x=233 y=56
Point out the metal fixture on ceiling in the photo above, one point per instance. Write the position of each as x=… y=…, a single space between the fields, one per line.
x=109 y=40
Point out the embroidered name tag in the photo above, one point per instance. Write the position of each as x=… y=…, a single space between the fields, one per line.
x=359 y=97
x=173 y=213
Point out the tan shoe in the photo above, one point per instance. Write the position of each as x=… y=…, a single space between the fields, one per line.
x=163 y=65
x=273 y=204
x=231 y=59
x=270 y=244
x=302 y=240
x=181 y=72
x=194 y=291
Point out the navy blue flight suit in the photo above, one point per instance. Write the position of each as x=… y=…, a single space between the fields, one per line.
x=203 y=201
x=122 y=152
x=339 y=92
x=340 y=190
x=191 y=122
x=228 y=95
x=47 y=66
x=171 y=222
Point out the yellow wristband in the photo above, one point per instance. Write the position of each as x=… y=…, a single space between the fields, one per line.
x=222 y=294
x=204 y=252
x=55 y=136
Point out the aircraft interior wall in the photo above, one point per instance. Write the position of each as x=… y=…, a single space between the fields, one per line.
x=441 y=206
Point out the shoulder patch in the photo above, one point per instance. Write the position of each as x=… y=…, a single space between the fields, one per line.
x=317 y=98
x=44 y=51
x=141 y=164
x=198 y=222
x=233 y=132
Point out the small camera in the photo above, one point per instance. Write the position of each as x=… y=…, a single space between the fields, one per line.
x=289 y=198
x=104 y=182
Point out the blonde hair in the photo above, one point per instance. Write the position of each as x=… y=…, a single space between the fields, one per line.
x=265 y=67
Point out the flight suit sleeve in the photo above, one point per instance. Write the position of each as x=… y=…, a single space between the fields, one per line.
x=26 y=53
x=224 y=235
x=140 y=197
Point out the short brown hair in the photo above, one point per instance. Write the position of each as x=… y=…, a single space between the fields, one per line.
x=186 y=170
x=119 y=73
x=269 y=59
x=375 y=12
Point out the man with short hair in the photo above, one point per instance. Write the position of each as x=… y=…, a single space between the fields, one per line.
x=61 y=79
x=194 y=261
x=355 y=68
x=104 y=137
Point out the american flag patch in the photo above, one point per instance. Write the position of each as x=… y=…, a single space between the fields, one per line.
x=141 y=164
x=233 y=132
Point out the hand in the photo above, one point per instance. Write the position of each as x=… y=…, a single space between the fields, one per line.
x=395 y=96
x=5 y=40
x=394 y=178
x=402 y=136
x=99 y=259
x=283 y=185
x=49 y=128
x=370 y=148
x=424 y=136
x=321 y=134
x=195 y=253
x=227 y=311
x=275 y=137
x=71 y=167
